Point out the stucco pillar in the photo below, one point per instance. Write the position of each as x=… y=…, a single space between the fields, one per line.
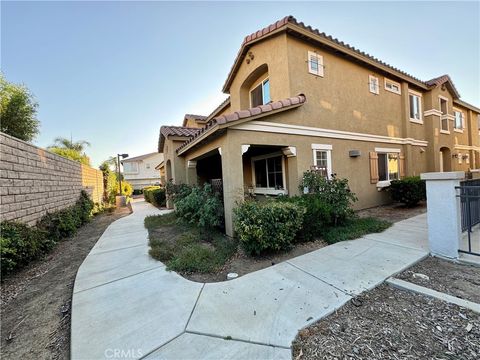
x=232 y=175
x=191 y=172
x=443 y=212
x=292 y=170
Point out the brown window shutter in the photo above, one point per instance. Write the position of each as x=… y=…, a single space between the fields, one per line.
x=373 y=167
x=402 y=165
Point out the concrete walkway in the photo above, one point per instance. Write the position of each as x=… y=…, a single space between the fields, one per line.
x=126 y=305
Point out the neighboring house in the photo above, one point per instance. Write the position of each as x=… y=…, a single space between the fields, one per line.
x=302 y=100
x=140 y=170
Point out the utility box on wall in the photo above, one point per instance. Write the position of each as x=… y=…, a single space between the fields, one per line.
x=354 y=153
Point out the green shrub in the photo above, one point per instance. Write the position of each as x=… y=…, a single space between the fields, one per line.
x=334 y=193
x=137 y=192
x=201 y=206
x=267 y=226
x=64 y=223
x=318 y=215
x=409 y=191
x=177 y=191
x=21 y=244
x=154 y=195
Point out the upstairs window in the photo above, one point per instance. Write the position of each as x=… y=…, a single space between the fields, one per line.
x=315 y=63
x=373 y=84
x=130 y=167
x=260 y=95
x=458 y=124
x=443 y=106
x=392 y=86
x=415 y=107
x=444 y=125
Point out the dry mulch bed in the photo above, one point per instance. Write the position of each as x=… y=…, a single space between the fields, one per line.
x=455 y=279
x=393 y=212
x=389 y=323
x=35 y=302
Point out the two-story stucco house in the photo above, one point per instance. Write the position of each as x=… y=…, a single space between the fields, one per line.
x=302 y=100
x=140 y=170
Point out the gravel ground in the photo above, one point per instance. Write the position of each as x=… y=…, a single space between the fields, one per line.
x=388 y=323
x=459 y=280
x=35 y=302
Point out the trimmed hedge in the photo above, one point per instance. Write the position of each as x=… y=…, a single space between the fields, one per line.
x=267 y=226
x=155 y=195
x=409 y=191
x=21 y=244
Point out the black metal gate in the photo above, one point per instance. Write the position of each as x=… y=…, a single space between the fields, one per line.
x=469 y=194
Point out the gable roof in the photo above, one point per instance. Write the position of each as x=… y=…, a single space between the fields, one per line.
x=140 y=157
x=180 y=131
x=299 y=29
x=197 y=118
x=243 y=115
x=441 y=80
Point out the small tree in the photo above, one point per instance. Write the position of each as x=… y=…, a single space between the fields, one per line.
x=18 y=111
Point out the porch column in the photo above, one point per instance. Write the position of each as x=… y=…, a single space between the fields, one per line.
x=292 y=170
x=443 y=212
x=192 y=172
x=232 y=176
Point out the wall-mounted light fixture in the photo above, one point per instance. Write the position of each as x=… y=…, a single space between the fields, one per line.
x=354 y=153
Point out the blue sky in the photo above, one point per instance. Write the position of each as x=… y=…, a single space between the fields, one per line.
x=113 y=72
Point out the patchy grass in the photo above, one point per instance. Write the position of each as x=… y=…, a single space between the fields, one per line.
x=184 y=248
x=355 y=228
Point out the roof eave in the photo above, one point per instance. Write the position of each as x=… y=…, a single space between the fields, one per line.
x=217 y=126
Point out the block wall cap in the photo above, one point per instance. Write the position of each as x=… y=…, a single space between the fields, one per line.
x=450 y=175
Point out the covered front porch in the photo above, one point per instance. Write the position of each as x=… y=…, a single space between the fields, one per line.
x=247 y=171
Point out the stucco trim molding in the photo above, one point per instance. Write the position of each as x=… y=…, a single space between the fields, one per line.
x=264 y=126
x=467 y=147
x=434 y=112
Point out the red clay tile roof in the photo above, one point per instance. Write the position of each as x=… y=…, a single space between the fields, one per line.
x=290 y=20
x=439 y=81
x=181 y=131
x=197 y=118
x=273 y=106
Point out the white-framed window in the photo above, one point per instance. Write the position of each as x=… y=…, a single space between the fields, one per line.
x=315 y=63
x=458 y=123
x=392 y=86
x=269 y=174
x=322 y=159
x=444 y=125
x=373 y=85
x=130 y=167
x=415 y=104
x=388 y=165
x=260 y=94
x=443 y=105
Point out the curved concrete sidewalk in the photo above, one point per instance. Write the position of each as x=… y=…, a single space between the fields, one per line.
x=126 y=305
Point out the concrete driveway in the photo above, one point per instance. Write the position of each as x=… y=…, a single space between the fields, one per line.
x=127 y=306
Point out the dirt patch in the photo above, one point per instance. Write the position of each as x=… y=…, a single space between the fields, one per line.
x=35 y=302
x=455 y=279
x=392 y=324
x=243 y=264
x=393 y=212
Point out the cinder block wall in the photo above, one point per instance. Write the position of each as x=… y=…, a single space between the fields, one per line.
x=34 y=181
